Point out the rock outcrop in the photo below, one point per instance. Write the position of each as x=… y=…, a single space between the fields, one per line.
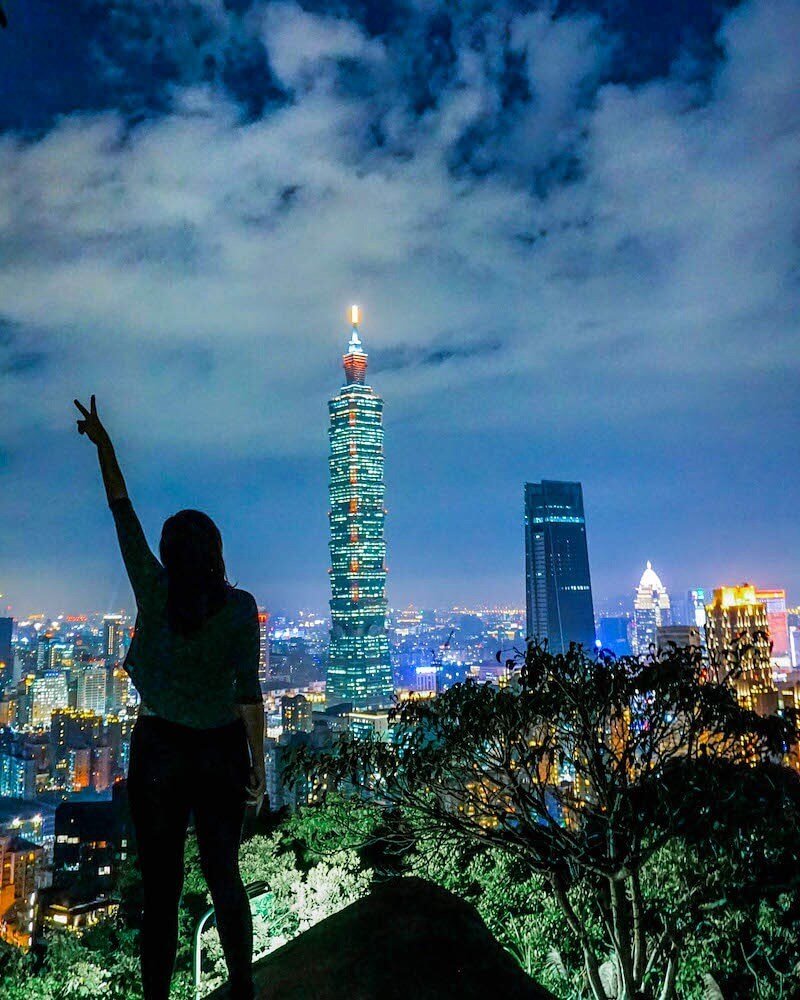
x=407 y=940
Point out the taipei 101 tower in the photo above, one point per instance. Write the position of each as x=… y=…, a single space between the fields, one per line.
x=359 y=671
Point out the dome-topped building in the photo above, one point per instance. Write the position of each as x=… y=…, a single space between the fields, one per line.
x=651 y=610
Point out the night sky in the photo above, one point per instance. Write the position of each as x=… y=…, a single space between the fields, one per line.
x=573 y=229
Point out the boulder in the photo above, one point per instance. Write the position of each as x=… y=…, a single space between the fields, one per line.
x=407 y=940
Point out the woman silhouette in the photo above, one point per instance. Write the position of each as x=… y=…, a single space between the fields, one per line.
x=197 y=746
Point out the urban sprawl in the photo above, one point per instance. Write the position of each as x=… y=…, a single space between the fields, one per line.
x=67 y=706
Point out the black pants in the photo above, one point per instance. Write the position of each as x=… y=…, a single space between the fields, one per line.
x=174 y=771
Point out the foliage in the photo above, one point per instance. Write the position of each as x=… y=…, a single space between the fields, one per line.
x=589 y=770
x=103 y=961
x=310 y=877
x=304 y=886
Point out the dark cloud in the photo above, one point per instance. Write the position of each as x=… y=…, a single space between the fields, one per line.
x=405 y=356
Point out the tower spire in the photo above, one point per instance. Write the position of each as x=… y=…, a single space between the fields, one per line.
x=355 y=361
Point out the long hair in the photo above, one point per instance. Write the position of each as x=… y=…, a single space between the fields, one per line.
x=191 y=552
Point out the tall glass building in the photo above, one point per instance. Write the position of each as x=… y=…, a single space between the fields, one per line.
x=359 y=670
x=558 y=589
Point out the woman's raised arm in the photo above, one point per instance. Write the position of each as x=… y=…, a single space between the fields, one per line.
x=93 y=428
x=142 y=566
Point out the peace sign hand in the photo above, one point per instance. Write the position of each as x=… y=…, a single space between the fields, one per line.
x=91 y=425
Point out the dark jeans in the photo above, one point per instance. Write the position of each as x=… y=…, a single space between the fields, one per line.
x=174 y=771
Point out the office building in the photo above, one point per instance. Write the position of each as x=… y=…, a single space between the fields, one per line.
x=613 y=634
x=6 y=652
x=778 y=624
x=119 y=691
x=44 y=652
x=92 y=680
x=359 y=671
x=85 y=842
x=737 y=637
x=558 y=587
x=114 y=638
x=682 y=636
x=21 y=864
x=47 y=693
x=296 y=714
x=263 y=650
x=696 y=601
x=17 y=772
x=651 y=611
x=70 y=727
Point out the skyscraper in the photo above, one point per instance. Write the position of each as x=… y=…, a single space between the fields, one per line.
x=92 y=682
x=651 y=611
x=558 y=588
x=778 y=621
x=263 y=650
x=696 y=605
x=737 y=636
x=6 y=651
x=113 y=638
x=358 y=669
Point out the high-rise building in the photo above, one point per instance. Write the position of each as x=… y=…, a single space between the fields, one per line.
x=263 y=651
x=44 y=652
x=793 y=622
x=47 y=693
x=119 y=692
x=558 y=587
x=696 y=605
x=70 y=728
x=296 y=714
x=651 y=611
x=359 y=671
x=737 y=636
x=113 y=638
x=17 y=773
x=92 y=682
x=778 y=622
x=6 y=651
x=613 y=634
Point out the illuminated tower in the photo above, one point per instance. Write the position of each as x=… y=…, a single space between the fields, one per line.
x=651 y=611
x=737 y=636
x=358 y=669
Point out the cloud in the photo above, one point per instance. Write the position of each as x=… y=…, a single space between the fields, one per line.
x=519 y=228
x=302 y=46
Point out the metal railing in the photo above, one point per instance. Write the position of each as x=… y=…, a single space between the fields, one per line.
x=254 y=890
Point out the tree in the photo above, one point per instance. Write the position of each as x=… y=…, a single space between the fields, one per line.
x=588 y=769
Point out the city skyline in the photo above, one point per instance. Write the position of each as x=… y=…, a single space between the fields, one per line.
x=574 y=262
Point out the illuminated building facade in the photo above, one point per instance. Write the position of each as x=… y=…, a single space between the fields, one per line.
x=359 y=671
x=296 y=714
x=696 y=606
x=6 y=651
x=558 y=588
x=263 y=650
x=651 y=611
x=21 y=863
x=119 y=690
x=778 y=622
x=737 y=636
x=113 y=638
x=92 y=683
x=44 y=652
x=47 y=693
